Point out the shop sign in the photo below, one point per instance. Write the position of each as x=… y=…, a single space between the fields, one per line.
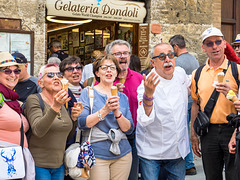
x=112 y=10
x=143 y=41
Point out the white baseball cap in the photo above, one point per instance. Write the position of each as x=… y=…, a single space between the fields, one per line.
x=211 y=32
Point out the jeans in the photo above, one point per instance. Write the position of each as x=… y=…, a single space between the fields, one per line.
x=215 y=155
x=135 y=160
x=189 y=157
x=49 y=173
x=174 y=168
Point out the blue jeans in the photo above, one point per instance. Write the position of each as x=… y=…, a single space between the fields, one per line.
x=135 y=160
x=189 y=157
x=50 y=173
x=175 y=169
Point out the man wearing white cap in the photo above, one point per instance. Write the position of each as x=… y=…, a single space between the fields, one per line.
x=214 y=144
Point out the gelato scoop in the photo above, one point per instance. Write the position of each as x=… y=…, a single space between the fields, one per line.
x=232 y=96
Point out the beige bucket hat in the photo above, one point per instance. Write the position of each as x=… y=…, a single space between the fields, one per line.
x=6 y=59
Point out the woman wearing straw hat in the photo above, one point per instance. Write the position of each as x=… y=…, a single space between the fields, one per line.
x=10 y=110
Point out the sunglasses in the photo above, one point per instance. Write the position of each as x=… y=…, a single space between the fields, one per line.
x=9 y=71
x=217 y=42
x=52 y=74
x=236 y=46
x=105 y=67
x=163 y=56
x=71 y=69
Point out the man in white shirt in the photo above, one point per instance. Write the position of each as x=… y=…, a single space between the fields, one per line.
x=162 y=131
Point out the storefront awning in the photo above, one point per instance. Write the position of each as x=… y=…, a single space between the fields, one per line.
x=111 y=10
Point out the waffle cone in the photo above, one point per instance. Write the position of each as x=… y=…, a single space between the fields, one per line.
x=220 y=78
x=235 y=98
x=114 y=90
x=122 y=80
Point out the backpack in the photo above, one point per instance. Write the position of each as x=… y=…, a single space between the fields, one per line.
x=234 y=73
x=23 y=106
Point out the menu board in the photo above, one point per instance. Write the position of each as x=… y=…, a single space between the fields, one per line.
x=18 y=42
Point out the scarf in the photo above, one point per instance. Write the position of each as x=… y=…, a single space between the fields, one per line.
x=76 y=90
x=13 y=96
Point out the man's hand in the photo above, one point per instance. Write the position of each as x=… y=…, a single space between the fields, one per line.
x=195 y=144
x=237 y=105
x=232 y=143
x=223 y=88
x=120 y=87
x=150 y=84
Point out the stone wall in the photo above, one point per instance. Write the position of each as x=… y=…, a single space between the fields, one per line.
x=186 y=17
x=32 y=14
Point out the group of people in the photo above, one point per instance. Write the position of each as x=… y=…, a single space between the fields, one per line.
x=146 y=123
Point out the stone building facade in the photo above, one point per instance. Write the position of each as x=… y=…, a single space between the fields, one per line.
x=187 y=17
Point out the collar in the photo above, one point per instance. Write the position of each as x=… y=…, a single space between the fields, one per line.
x=224 y=65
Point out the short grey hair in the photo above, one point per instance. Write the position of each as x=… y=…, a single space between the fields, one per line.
x=159 y=44
x=55 y=60
x=117 y=42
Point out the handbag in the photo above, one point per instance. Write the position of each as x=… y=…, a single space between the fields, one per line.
x=79 y=158
x=12 y=160
x=201 y=123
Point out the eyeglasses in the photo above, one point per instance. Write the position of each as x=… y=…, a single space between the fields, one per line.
x=105 y=67
x=71 y=69
x=9 y=71
x=52 y=74
x=163 y=56
x=119 y=54
x=236 y=46
x=217 y=42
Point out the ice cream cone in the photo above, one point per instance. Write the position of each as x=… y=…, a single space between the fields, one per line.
x=122 y=80
x=235 y=98
x=220 y=77
x=114 y=90
x=65 y=86
x=232 y=96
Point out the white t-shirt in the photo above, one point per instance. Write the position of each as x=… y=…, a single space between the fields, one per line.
x=87 y=72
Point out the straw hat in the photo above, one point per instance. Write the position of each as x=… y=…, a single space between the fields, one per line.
x=237 y=40
x=6 y=59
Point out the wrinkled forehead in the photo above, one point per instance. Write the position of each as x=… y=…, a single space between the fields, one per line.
x=163 y=49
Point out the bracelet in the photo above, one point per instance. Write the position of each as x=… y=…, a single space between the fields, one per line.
x=99 y=116
x=147 y=105
x=119 y=116
x=146 y=98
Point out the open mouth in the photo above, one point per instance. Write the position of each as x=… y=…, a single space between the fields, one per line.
x=122 y=61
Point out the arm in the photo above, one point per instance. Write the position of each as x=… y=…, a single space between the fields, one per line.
x=230 y=53
x=194 y=138
x=232 y=143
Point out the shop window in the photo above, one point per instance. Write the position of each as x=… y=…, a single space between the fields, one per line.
x=125 y=32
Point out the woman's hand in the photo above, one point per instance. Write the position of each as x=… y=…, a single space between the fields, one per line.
x=60 y=99
x=76 y=110
x=222 y=88
x=237 y=105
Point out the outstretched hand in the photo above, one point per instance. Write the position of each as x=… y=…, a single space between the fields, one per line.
x=150 y=84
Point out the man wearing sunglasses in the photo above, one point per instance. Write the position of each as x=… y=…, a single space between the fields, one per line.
x=236 y=45
x=26 y=84
x=189 y=63
x=214 y=145
x=162 y=138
